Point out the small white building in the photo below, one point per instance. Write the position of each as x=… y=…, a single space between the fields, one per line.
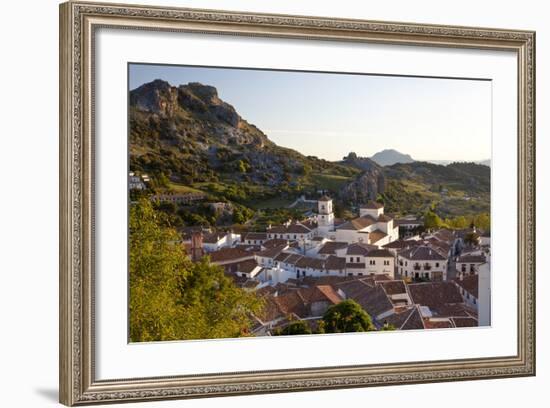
x=372 y=227
x=255 y=238
x=468 y=264
x=422 y=262
x=217 y=240
x=291 y=232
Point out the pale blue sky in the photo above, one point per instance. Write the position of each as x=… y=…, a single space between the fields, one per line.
x=329 y=115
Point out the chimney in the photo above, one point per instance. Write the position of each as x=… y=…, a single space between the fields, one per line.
x=196 y=246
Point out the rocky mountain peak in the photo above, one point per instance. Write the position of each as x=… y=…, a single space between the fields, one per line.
x=389 y=157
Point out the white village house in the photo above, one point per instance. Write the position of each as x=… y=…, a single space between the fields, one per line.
x=372 y=227
x=422 y=262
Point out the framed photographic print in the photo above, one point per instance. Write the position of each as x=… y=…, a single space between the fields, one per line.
x=256 y=203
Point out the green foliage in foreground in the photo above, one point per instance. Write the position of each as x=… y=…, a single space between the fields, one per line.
x=172 y=298
x=297 y=327
x=347 y=316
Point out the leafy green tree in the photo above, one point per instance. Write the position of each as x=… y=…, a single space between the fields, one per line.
x=459 y=222
x=347 y=316
x=387 y=327
x=243 y=166
x=297 y=327
x=173 y=298
x=432 y=220
x=483 y=221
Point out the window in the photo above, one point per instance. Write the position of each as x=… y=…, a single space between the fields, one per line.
x=386 y=263
x=437 y=264
x=475 y=301
x=372 y=262
x=357 y=259
x=351 y=258
x=360 y=274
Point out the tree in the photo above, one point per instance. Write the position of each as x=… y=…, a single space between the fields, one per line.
x=297 y=327
x=347 y=316
x=483 y=221
x=173 y=298
x=432 y=220
x=387 y=327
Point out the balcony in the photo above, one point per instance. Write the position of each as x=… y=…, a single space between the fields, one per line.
x=417 y=267
x=427 y=267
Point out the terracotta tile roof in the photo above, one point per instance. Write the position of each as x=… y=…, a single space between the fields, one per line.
x=441 y=247
x=454 y=310
x=465 y=321
x=445 y=235
x=471 y=259
x=293 y=259
x=377 y=235
x=354 y=287
x=373 y=300
x=437 y=324
x=293 y=302
x=393 y=287
x=357 y=223
x=291 y=229
x=329 y=248
x=407 y=319
x=272 y=309
x=258 y=236
x=313 y=263
x=334 y=263
x=282 y=257
x=266 y=290
x=327 y=280
x=321 y=293
x=380 y=253
x=272 y=252
x=470 y=284
x=274 y=242
x=228 y=254
x=434 y=294
x=422 y=253
x=247 y=266
x=401 y=244
x=360 y=248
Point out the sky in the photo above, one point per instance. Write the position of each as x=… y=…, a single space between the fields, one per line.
x=329 y=115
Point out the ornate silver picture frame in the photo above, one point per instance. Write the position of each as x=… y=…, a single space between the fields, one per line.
x=78 y=25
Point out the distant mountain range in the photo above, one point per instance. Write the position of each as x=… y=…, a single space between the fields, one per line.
x=389 y=157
